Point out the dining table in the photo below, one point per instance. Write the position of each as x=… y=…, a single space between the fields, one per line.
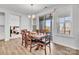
x=38 y=36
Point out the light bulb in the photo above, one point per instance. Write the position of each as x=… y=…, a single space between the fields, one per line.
x=29 y=16
x=33 y=16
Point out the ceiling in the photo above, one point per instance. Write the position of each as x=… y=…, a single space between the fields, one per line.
x=26 y=8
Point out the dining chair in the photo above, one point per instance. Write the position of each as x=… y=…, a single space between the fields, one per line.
x=23 y=37
x=30 y=41
x=45 y=42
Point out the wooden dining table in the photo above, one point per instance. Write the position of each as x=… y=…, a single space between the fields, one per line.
x=38 y=36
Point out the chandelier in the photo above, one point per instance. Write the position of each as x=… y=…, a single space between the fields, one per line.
x=32 y=16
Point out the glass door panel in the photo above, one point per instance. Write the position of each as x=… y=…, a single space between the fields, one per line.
x=48 y=26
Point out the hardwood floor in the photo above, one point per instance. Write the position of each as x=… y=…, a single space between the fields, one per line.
x=14 y=47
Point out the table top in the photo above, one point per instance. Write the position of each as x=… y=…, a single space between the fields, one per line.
x=38 y=36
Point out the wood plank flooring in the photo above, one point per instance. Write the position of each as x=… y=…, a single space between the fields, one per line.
x=14 y=47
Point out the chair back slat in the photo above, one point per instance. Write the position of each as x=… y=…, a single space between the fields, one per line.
x=46 y=39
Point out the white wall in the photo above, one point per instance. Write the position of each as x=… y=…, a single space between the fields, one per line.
x=14 y=20
x=2 y=19
x=66 y=41
x=76 y=24
x=24 y=23
x=37 y=22
x=7 y=27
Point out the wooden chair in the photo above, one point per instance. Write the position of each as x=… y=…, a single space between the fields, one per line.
x=45 y=42
x=23 y=36
x=30 y=41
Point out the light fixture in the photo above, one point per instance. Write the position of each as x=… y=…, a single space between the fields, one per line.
x=29 y=16
x=32 y=16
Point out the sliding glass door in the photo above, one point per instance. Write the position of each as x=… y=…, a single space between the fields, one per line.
x=46 y=24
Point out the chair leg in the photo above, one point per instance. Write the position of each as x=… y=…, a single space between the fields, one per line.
x=25 y=43
x=22 y=42
x=30 y=48
x=45 y=50
x=50 y=48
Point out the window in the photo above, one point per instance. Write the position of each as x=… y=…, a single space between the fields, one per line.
x=34 y=24
x=45 y=23
x=48 y=25
x=41 y=23
x=65 y=25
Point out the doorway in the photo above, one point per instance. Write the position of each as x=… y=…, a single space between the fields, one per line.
x=45 y=24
